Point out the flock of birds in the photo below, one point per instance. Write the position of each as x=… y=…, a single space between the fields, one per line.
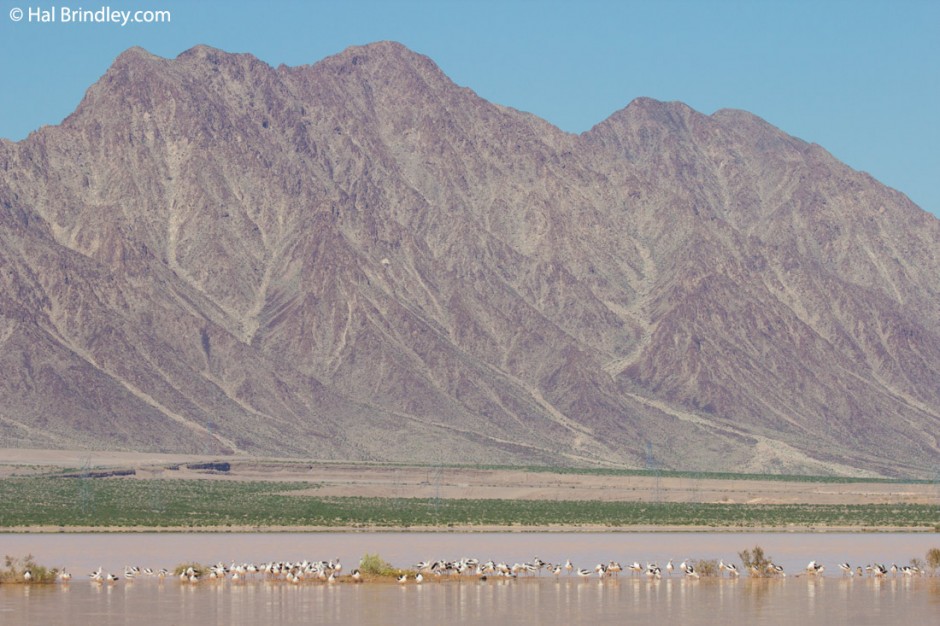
x=331 y=571
x=537 y=565
x=686 y=568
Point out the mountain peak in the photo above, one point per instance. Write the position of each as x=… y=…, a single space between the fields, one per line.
x=207 y=55
x=201 y=51
x=383 y=61
x=384 y=51
x=133 y=61
x=136 y=54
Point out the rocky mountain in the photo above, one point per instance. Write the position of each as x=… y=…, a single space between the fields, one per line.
x=359 y=259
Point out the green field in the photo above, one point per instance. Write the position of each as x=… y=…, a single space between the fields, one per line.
x=45 y=501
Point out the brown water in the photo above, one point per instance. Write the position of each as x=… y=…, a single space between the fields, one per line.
x=795 y=599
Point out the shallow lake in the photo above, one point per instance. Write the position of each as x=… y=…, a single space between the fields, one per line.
x=538 y=599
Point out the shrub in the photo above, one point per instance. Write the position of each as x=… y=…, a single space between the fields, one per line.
x=16 y=568
x=933 y=559
x=199 y=568
x=755 y=562
x=706 y=568
x=374 y=565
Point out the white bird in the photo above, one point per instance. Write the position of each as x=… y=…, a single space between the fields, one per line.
x=846 y=568
x=776 y=569
x=27 y=576
x=64 y=576
x=403 y=578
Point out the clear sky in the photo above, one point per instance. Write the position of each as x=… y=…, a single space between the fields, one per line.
x=859 y=77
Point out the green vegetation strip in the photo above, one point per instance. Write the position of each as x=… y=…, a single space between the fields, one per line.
x=202 y=503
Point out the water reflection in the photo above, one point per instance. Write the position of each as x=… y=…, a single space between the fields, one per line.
x=770 y=601
x=934 y=591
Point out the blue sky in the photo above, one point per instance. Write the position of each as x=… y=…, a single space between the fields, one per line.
x=859 y=77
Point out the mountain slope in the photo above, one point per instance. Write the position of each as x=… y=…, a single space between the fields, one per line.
x=360 y=259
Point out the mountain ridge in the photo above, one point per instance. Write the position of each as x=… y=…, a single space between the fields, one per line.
x=360 y=259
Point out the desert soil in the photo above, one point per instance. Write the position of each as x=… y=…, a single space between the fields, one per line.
x=353 y=479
